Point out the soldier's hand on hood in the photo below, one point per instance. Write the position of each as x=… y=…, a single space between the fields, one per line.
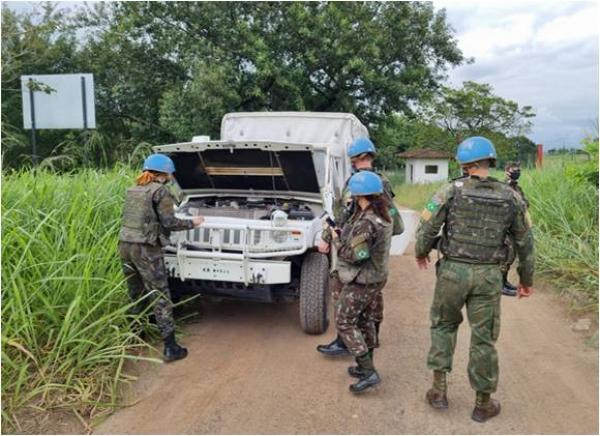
x=198 y=220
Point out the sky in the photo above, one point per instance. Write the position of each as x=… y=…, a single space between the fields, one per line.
x=538 y=53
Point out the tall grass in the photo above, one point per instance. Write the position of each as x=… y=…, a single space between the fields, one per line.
x=565 y=217
x=65 y=332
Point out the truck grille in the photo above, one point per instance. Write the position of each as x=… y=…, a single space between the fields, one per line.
x=234 y=239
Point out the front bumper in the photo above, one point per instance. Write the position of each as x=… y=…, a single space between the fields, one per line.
x=251 y=271
x=236 y=253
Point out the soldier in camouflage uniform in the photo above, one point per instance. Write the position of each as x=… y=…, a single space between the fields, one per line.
x=361 y=153
x=148 y=217
x=475 y=214
x=512 y=171
x=363 y=249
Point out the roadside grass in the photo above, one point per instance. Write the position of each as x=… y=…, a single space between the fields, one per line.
x=65 y=330
x=564 y=212
x=411 y=196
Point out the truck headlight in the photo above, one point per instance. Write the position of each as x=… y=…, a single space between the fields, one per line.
x=279 y=218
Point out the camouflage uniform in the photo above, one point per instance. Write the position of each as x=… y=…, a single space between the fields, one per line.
x=475 y=216
x=148 y=218
x=343 y=208
x=363 y=250
x=510 y=257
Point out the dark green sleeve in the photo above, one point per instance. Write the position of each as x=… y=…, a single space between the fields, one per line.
x=522 y=234
x=432 y=218
x=164 y=206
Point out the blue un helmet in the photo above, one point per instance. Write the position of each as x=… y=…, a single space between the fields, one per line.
x=359 y=146
x=474 y=149
x=365 y=183
x=160 y=163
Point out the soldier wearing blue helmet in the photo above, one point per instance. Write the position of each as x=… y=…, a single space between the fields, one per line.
x=363 y=252
x=475 y=214
x=148 y=218
x=361 y=153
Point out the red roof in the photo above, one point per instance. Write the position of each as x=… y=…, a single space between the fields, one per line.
x=425 y=153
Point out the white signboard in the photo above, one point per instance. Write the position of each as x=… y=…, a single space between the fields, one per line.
x=60 y=101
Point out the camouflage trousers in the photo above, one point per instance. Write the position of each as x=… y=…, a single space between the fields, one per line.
x=479 y=288
x=375 y=311
x=355 y=320
x=144 y=268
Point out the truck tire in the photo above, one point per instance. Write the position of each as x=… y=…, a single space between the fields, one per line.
x=314 y=283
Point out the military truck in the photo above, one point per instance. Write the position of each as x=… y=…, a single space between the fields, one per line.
x=264 y=188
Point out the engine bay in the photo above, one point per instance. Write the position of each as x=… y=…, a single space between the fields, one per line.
x=253 y=208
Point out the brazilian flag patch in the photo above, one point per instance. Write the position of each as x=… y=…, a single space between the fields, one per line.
x=362 y=254
x=432 y=206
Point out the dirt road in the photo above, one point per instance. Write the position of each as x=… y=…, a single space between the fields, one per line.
x=252 y=370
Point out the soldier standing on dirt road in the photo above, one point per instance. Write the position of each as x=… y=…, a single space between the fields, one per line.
x=475 y=214
x=512 y=171
x=363 y=249
x=361 y=153
x=148 y=218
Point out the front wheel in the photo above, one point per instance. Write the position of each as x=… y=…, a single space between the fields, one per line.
x=314 y=282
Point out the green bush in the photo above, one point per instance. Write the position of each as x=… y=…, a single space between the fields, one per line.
x=564 y=210
x=65 y=331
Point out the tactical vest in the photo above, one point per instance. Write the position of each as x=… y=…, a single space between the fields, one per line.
x=375 y=269
x=140 y=223
x=479 y=216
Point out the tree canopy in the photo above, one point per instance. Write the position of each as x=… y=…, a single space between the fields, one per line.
x=165 y=71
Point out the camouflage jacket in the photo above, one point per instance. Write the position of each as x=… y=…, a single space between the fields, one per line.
x=344 y=207
x=363 y=248
x=476 y=216
x=517 y=188
x=149 y=215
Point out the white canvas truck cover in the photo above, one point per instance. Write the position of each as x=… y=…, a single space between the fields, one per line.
x=337 y=130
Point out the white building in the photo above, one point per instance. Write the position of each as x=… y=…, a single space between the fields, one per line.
x=426 y=165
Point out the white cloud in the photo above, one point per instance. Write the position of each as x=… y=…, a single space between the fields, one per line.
x=581 y=25
x=497 y=35
x=543 y=54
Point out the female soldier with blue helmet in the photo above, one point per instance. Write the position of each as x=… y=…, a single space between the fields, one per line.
x=148 y=218
x=361 y=153
x=363 y=254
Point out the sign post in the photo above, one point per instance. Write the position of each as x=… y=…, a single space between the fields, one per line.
x=57 y=101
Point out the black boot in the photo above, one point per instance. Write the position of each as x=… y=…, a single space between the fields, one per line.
x=358 y=372
x=508 y=288
x=173 y=351
x=334 y=348
x=377 y=325
x=370 y=377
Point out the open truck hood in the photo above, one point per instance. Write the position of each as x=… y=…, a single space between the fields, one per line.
x=228 y=166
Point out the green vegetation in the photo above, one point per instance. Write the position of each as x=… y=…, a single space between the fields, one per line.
x=564 y=211
x=65 y=332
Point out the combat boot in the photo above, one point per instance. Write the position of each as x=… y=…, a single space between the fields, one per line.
x=356 y=371
x=508 y=288
x=334 y=348
x=369 y=378
x=485 y=408
x=436 y=396
x=173 y=351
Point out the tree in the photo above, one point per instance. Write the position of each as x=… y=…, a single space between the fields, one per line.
x=38 y=42
x=369 y=58
x=474 y=108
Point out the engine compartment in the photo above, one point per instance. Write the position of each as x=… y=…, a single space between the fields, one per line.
x=252 y=208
